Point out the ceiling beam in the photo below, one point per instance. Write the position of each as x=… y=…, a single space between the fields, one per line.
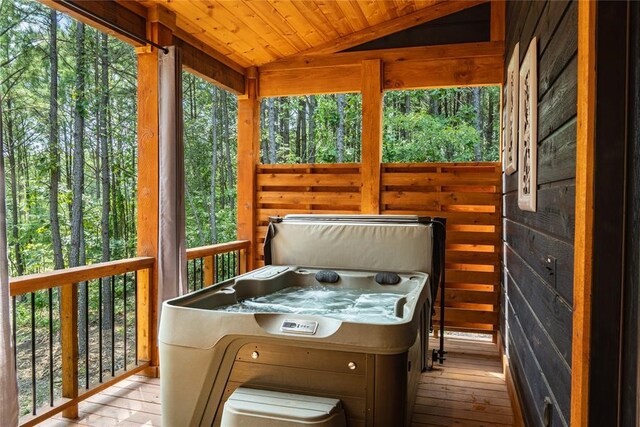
x=203 y=65
x=118 y=16
x=429 y=13
x=460 y=50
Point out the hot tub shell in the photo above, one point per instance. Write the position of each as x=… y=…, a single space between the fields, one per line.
x=373 y=368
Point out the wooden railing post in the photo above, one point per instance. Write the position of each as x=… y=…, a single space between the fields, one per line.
x=145 y=327
x=243 y=261
x=69 y=338
x=209 y=270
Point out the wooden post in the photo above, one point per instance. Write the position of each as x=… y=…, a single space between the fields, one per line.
x=371 y=135
x=583 y=245
x=498 y=11
x=148 y=194
x=248 y=158
x=69 y=339
x=209 y=270
x=243 y=261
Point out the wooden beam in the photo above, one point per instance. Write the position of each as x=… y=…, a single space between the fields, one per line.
x=69 y=339
x=498 y=13
x=429 y=13
x=583 y=245
x=113 y=14
x=432 y=72
x=371 y=136
x=423 y=53
x=209 y=68
x=315 y=80
x=248 y=158
x=444 y=73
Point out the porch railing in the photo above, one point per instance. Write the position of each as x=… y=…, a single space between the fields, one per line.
x=77 y=332
x=80 y=330
x=208 y=265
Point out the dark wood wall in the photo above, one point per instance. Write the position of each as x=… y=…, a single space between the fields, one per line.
x=538 y=247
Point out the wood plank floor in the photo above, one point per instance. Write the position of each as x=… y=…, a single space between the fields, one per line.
x=468 y=391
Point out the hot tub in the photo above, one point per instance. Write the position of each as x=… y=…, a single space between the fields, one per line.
x=326 y=326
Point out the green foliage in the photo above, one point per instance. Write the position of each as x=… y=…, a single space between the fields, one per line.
x=439 y=125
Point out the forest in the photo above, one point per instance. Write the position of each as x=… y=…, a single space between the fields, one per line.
x=68 y=117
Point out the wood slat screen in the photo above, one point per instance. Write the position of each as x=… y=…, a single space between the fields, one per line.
x=467 y=194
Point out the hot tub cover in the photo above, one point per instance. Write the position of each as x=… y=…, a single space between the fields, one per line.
x=382 y=243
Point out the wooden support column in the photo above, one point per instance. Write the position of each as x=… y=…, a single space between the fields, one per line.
x=148 y=195
x=248 y=158
x=498 y=11
x=583 y=245
x=69 y=339
x=371 y=136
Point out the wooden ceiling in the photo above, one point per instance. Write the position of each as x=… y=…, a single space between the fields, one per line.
x=257 y=32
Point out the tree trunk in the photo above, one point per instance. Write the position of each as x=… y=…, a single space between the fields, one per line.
x=54 y=154
x=477 y=148
x=227 y=147
x=105 y=175
x=311 y=104
x=340 y=131
x=272 y=130
x=303 y=131
x=213 y=226
x=13 y=175
x=77 y=183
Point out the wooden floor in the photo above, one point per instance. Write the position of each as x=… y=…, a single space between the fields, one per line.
x=468 y=390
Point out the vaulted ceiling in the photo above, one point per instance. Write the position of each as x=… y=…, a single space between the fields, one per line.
x=257 y=32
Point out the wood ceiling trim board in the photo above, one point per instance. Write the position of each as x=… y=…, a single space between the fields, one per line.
x=334 y=14
x=316 y=18
x=219 y=30
x=134 y=6
x=353 y=13
x=437 y=10
x=188 y=31
x=299 y=22
x=270 y=33
x=453 y=51
x=267 y=12
x=218 y=12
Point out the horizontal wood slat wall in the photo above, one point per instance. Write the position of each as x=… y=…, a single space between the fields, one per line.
x=467 y=194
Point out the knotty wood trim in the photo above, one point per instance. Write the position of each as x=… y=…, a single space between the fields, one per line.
x=35 y=282
x=371 y=136
x=429 y=13
x=583 y=247
x=248 y=158
x=217 y=249
x=514 y=397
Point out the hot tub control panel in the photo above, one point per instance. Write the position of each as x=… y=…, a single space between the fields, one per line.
x=307 y=327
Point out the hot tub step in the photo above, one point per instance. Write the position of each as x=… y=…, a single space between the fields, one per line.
x=251 y=407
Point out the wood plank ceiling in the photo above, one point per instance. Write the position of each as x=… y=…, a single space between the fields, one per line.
x=257 y=32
